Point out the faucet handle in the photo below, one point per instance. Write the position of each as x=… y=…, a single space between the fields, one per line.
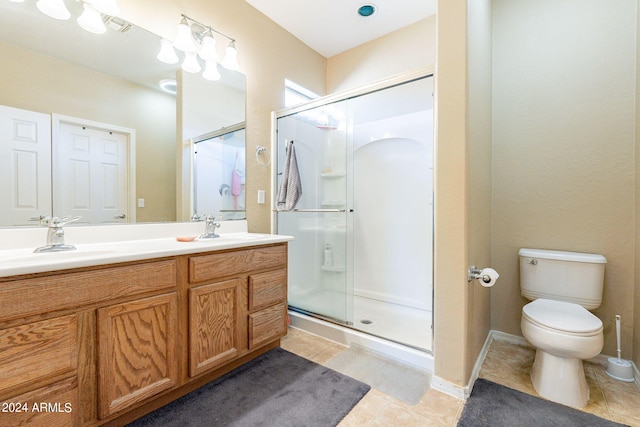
x=59 y=222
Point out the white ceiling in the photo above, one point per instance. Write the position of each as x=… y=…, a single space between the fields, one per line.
x=334 y=26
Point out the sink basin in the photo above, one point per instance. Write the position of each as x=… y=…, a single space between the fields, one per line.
x=241 y=236
x=31 y=257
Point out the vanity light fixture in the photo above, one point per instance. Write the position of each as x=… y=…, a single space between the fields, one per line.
x=190 y=63
x=230 y=61
x=211 y=71
x=184 y=38
x=54 y=8
x=208 y=50
x=195 y=40
x=91 y=20
x=167 y=53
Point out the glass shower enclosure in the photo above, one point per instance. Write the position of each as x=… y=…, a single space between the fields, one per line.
x=363 y=248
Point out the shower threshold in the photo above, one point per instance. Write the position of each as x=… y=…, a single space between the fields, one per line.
x=345 y=335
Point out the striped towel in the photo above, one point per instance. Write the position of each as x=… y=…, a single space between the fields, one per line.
x=290 y=186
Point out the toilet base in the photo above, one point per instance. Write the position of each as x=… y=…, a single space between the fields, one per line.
x=560 y=379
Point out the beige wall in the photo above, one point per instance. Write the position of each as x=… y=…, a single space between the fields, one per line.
x=563 y=145
x=451 y=314
x=267 y=55
x=463 y=185
x=636 y=304
x=42 y=83
x=403 y=50
x=479 y=44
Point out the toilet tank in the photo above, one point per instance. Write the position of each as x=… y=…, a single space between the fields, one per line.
x=563 y=276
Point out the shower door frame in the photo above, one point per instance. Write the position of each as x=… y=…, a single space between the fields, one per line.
x=391 y=82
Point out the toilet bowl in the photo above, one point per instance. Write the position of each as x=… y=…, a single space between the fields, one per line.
x=564 y=334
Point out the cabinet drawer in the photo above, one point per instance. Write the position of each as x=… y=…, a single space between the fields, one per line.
x=38 y=350
x=266 y=289
x=224 y=264
x=267 y=325
x=25 y=297
x=52 y=405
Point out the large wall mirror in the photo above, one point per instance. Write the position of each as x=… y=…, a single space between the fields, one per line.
x=67 y=91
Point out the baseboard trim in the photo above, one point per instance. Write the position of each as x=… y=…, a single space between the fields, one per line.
x=449 y=388
x=464 y=392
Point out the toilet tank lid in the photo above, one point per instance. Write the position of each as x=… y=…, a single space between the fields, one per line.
x=562 y=255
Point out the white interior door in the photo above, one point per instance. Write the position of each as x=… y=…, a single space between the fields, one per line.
x=25 y=166
x=91 y=174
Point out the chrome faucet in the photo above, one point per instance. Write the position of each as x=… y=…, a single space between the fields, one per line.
x=55 y=235
x=210 y=228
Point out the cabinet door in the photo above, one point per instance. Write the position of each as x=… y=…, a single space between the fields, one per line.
x=136 y=351
x=213 y=324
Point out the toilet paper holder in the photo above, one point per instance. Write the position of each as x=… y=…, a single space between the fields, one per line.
x=477 y=273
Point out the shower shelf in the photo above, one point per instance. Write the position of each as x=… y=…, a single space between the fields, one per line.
x=333 y=174
x=333 y=268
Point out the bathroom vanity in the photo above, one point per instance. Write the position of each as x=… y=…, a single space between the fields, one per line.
x=113 y=331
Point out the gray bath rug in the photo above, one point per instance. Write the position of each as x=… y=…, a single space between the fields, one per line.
x=388 y=375
x=276 y=389
x=494 y=405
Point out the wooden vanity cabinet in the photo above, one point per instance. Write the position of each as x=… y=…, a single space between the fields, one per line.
x=104 y=345
x=237 y=303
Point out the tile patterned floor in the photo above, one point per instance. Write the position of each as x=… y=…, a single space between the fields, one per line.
x=507 y=364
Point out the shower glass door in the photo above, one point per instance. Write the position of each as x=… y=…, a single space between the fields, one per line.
x=319 y=221
x=363 y=249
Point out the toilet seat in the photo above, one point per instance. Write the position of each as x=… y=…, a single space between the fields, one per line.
x=560 y=316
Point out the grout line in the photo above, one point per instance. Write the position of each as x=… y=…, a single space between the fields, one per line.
x=602 y=390
x=385 y=406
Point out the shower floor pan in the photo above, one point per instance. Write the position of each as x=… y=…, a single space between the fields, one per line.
x=347 y=336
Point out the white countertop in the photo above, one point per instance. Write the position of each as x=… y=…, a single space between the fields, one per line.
x=22 y=260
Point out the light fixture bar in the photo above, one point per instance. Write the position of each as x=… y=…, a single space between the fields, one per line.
x=206 y=27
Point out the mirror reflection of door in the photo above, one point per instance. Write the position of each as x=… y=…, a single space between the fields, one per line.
x=91 y=169
x=25 y=166
x=219 y=174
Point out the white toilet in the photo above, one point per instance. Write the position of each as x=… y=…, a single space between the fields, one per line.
x=562 y=286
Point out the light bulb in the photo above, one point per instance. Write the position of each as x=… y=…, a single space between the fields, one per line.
x=211 y=71
x=91 y=20
x=167 y=54
x=108 y=7
x=54 y=8
x=230 y=61
x=191 y=64
x=184 y=38
x=208 y=48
